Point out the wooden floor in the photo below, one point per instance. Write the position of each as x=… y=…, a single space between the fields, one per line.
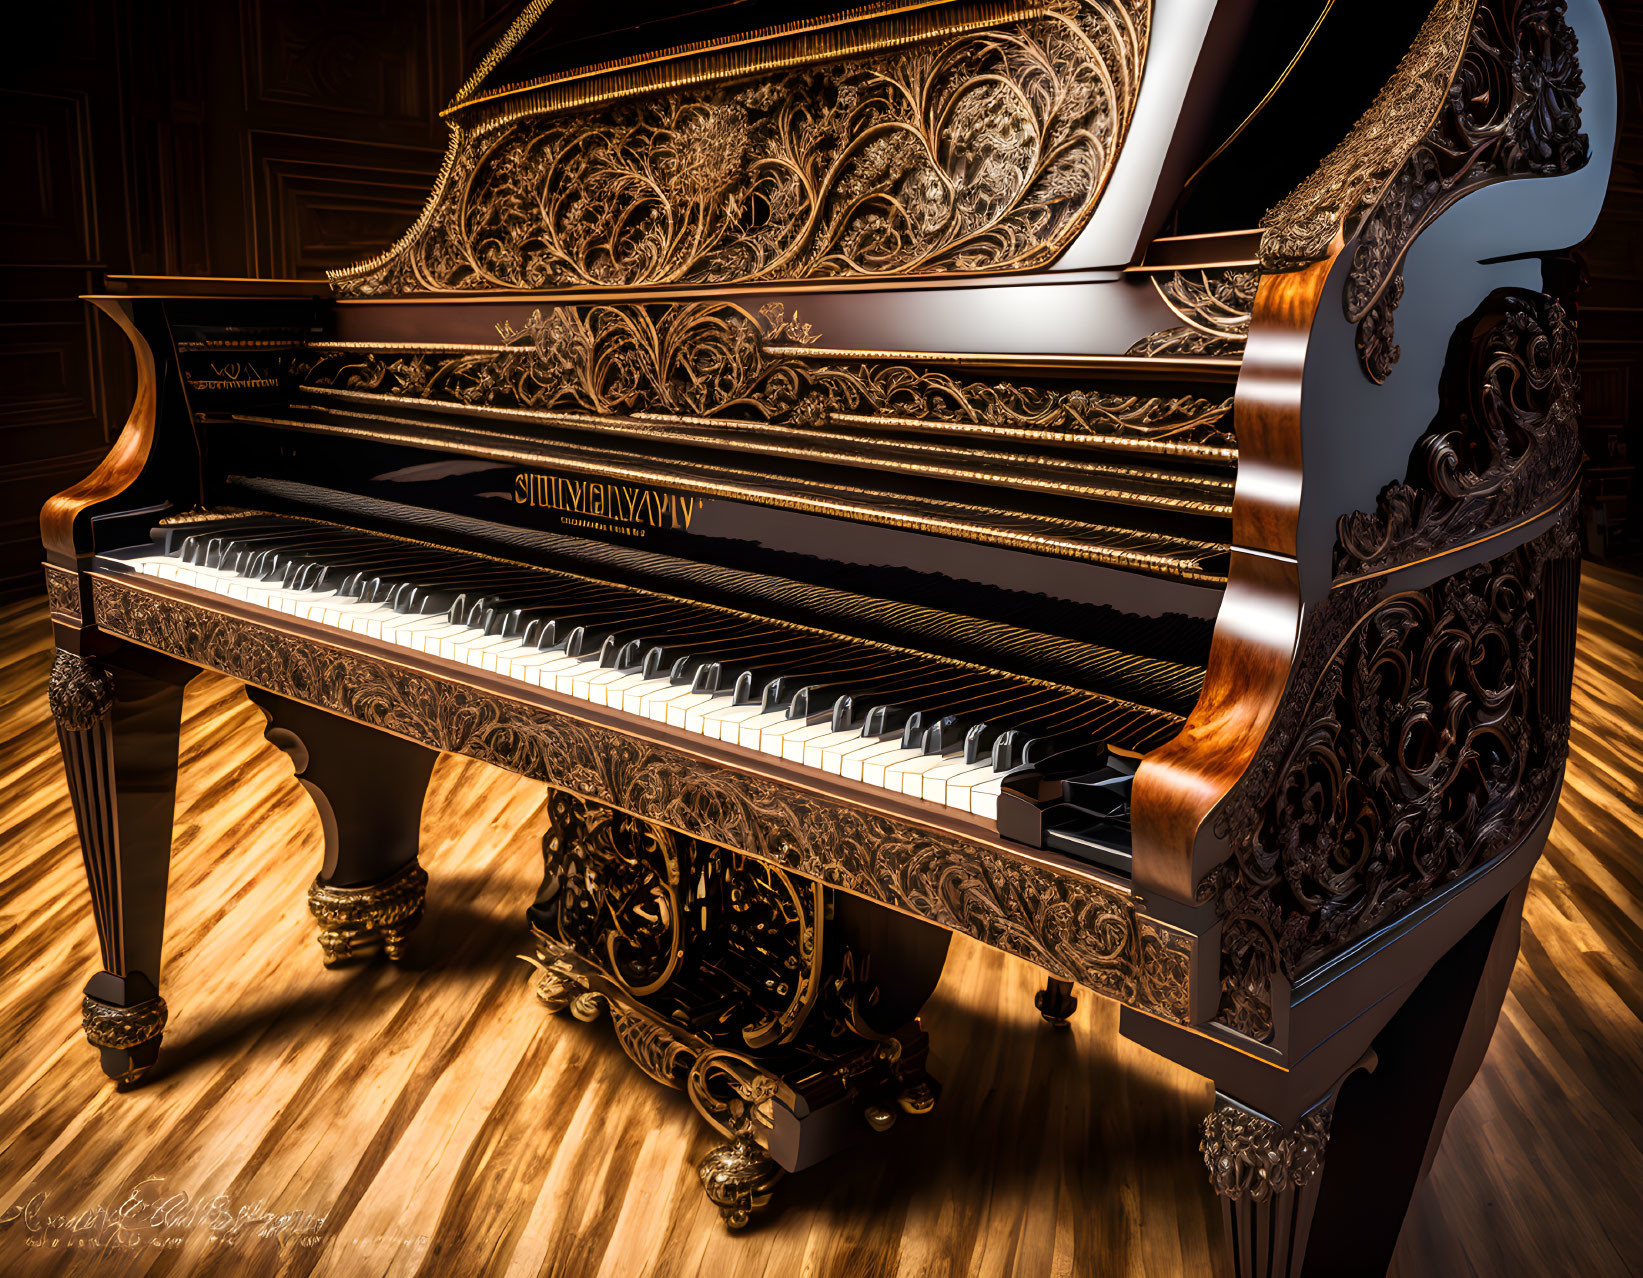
x=435 y=1120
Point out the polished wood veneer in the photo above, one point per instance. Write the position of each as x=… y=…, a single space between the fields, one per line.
x=443 y=1123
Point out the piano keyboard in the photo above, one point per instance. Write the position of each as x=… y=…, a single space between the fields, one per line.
x=911 y=723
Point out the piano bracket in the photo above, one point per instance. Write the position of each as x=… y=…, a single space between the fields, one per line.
x=367 y=788
x=786 y=1013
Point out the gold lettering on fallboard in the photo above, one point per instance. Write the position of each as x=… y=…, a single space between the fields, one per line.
x=620 y=505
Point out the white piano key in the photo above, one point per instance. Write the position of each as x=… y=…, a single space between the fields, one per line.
x=984 y=797
x=832 y=759
x=725 y=711
x=647 y=702
x=908 y=777
x=428 y=640
x=773 y=740
x=794 y=743
x=543 y=673
x=615 y=692
x=748 y=729
x=960 y=788
x=873 y=766
x=591 y=686
x=693 y=715
x=828 y=743
x=851 y=764
x=935 y=781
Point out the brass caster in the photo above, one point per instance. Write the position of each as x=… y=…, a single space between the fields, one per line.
x=335 y=948
x=1055 y=1003
x=739 y=1178
x=127 y=1039
x=384 y=912
x=918 y=1097
x=881 y=1118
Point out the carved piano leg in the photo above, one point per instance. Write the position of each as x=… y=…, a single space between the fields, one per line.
x=1327 y=1195
x=788 y=1014
x=368 y=787
x=118 y=723
x=1055 y=1003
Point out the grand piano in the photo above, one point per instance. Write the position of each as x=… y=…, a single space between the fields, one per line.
x=1094 y=476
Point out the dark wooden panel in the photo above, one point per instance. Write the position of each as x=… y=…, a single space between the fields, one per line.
x=371 y=63
x=44 y=155
x=1611 y=316
x=326 y=204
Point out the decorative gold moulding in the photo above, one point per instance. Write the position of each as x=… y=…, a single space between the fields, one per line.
x=353 y=916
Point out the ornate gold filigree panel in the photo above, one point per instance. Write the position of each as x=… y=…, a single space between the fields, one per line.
x=1074 y=928
x=970 y=151
x=657 y=912
x=714 y=359
x=1214 y=306
x=736 y=981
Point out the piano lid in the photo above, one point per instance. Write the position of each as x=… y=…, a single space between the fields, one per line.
x=892 y=140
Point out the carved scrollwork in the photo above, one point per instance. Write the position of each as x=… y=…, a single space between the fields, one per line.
x=122 y=1028
x=1250 y=1156
x=1072 y=927
x=1489 y=90
x=80 y=692
x=1425 y=748
x=984 y=150
x=1300 y=228
x=63 y=592
x=1165 y=967
x=714 y=359
x=1512 y=110
x=1504 y=444
x=1214 y=305
x=649 y=906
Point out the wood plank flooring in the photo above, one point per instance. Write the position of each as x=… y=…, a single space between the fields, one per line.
x=435 y=1120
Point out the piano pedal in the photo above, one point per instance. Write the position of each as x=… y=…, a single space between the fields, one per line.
x=788 y=1017
x=1056 y=1003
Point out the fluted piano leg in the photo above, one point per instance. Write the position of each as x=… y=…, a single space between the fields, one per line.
x=1327 y=1194
x=368 y=788
x=118 y=722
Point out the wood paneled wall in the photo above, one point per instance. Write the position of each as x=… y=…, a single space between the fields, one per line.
x=1611 y=318
x=191 y=137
